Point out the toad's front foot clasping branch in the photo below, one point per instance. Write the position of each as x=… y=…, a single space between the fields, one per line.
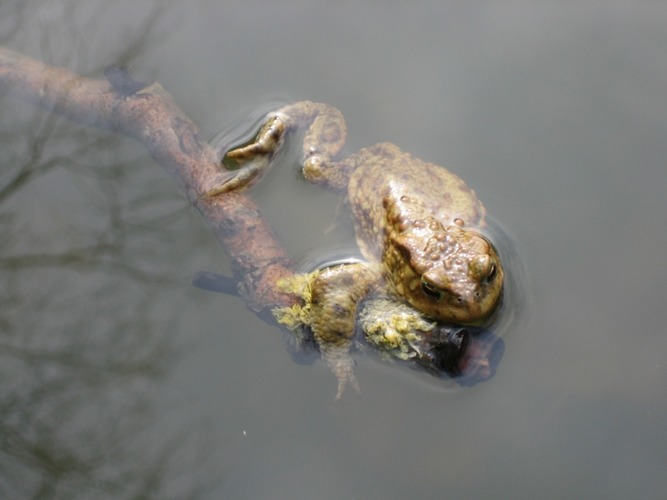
x=255 y=158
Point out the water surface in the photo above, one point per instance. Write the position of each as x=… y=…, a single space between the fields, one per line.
x=119 y=380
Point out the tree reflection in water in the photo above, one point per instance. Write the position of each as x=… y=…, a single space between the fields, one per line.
x=85 y=335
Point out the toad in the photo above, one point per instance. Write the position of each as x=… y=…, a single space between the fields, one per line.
x=418 y=227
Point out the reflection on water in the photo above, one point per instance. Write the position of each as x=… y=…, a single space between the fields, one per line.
x=85 y=339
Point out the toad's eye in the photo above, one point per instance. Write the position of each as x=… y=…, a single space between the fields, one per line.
x=492 y=273
x=430 y=290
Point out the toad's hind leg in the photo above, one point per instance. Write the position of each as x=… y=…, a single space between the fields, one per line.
x=324 y=138
x=325 y=133
x=336 y=292
x=257 y=157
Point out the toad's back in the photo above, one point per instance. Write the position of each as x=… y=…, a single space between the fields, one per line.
x=389 y=190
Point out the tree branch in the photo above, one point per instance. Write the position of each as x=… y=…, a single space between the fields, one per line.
x=149 y=115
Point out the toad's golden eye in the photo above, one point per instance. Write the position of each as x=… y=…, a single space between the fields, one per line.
x=430 y=290
x=492 y=273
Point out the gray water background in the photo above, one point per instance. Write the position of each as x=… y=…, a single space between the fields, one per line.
x=120 y=380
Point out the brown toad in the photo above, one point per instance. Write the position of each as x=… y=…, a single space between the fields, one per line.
x=415 y=225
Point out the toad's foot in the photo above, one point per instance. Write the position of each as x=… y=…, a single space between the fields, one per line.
x=255 y=158
x=342 y=365
x=330 y=297
x=268 y=141
x=335 y=293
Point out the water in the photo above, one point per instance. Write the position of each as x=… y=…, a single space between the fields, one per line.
x=119 y=380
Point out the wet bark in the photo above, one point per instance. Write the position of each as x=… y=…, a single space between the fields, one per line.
x=149 y=114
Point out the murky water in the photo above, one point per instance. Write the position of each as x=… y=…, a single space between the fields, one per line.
x=120 y=380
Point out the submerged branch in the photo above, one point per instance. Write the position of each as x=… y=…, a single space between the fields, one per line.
x=148 y=114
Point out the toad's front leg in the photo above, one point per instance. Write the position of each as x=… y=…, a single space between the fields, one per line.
x=335 y=294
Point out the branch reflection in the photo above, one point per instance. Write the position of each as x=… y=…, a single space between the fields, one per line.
x=87 y=327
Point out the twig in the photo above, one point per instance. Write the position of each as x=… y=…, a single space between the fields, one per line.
x=148 y=114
